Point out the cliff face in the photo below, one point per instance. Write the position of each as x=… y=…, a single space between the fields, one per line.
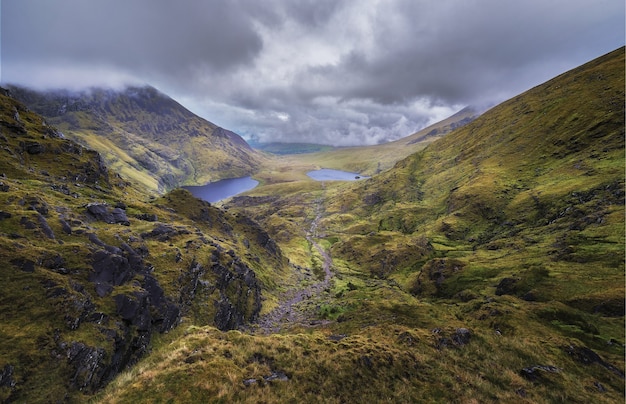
x=91 y=270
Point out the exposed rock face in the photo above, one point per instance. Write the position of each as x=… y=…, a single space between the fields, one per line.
x=240 y=294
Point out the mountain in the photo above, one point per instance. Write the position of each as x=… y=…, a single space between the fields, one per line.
x=487 y=267
x=144 y=135
x=93 y=272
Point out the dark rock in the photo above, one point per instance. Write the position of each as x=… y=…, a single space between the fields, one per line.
x=134 y=310
x=52 y=260
x=148 y=217
x=5 y=215
x=249 y=382
x=27 y=223
x=165 y=314
x=32 y=147
x=587 y=356
x=119 y=216
x=4 y=187
x=103 y=289
x=45 y=227
x=67 y=229
x=461 y=336
x=111 y=268
x=24 y=264
x=599 y=386
x=162 y=232
x=240 y=295
x=276 y=376
x=101 y=212
x=88 y=366
x=506 y=287
x=6 y=376
x=337 y=337
x=536 y=372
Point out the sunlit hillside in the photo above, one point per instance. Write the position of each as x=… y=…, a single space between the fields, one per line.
x=145 y=136
x=487 y=267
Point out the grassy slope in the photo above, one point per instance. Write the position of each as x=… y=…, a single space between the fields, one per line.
x=511 y=228
x=146 y=136
x=48 y=302
x=370 y=160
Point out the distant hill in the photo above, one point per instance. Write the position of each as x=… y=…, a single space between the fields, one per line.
x=145 y=135
x=370 y=160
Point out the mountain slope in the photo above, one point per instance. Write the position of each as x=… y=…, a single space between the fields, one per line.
x=145 y=135
x=92 y=273
x=489 y=267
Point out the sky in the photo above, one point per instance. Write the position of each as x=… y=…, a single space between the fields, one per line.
x=339 y=72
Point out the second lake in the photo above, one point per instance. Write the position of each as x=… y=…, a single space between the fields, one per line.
x=328 y=174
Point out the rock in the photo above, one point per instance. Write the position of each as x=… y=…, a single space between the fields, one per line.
x=276 y=376
x=249 y=382
x=45 y=227
x=111 y=268
x=586 y=356
x=148 y=217
x=88 y=365
x=6 y=376
x=5 y=215
x=240 y=294
x=119 y=216
x=506 y=287
x=24 y=264
x=65 y=226
x=31 y=147
x=101 y=212
x=4 y=187
x=461 y=336
x=536 y=372
x=134 y=309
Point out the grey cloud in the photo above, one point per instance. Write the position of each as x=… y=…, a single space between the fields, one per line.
x=340 y=72
x=158 y=38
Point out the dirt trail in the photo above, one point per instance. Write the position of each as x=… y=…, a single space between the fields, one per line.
x=299 y=307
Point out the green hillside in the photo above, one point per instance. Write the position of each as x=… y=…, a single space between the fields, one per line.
x=145 y=136
x=93 y=273
x=486 y=267
x=489 y=267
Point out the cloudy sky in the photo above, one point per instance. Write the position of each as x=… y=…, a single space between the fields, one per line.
x=341 y=72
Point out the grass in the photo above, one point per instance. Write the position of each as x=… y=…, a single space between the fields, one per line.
x=487 y=267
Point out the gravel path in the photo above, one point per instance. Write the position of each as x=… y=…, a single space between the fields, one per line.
x=299 y=307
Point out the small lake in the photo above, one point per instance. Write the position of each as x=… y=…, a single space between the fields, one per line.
x=222 y=189
x=328 y=174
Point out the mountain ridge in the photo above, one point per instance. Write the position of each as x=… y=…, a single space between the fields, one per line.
x=145 y=135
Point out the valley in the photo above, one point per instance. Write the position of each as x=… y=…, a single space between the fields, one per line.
x=481 y=261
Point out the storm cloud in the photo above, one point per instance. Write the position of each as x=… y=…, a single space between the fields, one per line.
x=322 y=71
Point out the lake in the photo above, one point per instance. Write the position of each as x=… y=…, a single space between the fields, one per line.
x=222 y=189
x=328 y=174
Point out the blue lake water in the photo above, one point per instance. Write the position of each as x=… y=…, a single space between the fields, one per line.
x=328 y=174
x=218 y=190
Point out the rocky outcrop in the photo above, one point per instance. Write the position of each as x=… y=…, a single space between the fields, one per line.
x=239 y=293
x=102 y=212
